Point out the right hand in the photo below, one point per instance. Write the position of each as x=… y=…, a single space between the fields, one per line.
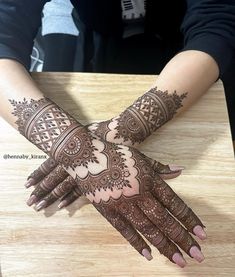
x=135 y=200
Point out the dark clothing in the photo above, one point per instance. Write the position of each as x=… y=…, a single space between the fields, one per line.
x=204 y=25
x=60 y=59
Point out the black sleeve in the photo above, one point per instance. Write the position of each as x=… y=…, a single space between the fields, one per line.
x=209 y=26
x=19 y=23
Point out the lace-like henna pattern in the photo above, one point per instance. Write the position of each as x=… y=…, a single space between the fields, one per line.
x=114 y=177
x=118 y=179
x=147 y=114
x=101 y=129
x=77 y=150
x=41 y=121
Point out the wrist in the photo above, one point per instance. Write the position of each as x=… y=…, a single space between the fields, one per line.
x=148 y=113
x=43 y=122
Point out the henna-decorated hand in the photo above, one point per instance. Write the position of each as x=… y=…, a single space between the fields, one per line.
x=118 y=180
x=131 y=127
x=52 y=182
x=135 y=199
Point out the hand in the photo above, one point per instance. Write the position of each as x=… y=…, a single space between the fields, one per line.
x=148 y=113
x=56 y=183
x=133 y=198
x=53 y=182
x=117 y=179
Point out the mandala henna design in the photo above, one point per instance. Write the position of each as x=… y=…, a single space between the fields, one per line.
x=78 y=150
x=147 y=114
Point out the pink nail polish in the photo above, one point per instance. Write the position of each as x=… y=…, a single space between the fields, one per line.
x=62 y=204
x=199 y=232
x=176 y=167
x=179 y=260
x=29 y=183
x=40 y=205
x=147 y=254
x=31 y=200
x=196 y=254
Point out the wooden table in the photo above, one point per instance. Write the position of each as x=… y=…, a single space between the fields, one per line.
x=77 y=241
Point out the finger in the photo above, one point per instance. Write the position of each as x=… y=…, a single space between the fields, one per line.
x=69 y=198
x=170 y=175
x=60 y=190
x=38 y=174
x=165 y=171
x=126 y=230
x=163 y=192
x=159 y=215
x=151 y=232
x=56 y=176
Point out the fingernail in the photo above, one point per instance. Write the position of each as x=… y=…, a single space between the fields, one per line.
x=179 y=260
x=196 y=254
x=62 y=204
x=31 y=200
x=40 y=205
x=147 y=254
x=176 y=167
x=29 y=183
x=199 y=232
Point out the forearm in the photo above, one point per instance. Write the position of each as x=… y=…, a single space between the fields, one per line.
x=15 y=83
x=191 y=71
x=184 y=79
x=25 y=107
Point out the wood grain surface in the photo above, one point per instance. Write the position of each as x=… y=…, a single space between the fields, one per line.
x=77 y=241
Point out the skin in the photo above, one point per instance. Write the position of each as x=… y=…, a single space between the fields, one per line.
x=190 y=71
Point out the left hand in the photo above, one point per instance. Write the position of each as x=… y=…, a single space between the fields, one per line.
x=52 y=182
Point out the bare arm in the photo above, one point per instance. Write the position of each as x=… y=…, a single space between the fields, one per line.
x=113 y=177
x=183 y=80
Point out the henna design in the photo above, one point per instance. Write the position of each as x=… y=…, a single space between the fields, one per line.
x=147 y=114
x=114 y=177
x=78 y=150
x=44 y=169
x=53 y=179
x=41 y=121
x=100 y=129
x=60 y=190
x=118 y=180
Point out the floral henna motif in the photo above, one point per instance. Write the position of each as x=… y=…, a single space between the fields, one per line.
x=100 y=129
x=114 y=177
x=147 y=114
x=118 y=180
x=78 y=150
